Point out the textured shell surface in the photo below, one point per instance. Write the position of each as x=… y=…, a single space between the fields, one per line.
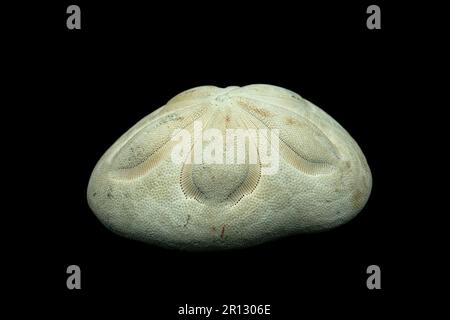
x=322 y=179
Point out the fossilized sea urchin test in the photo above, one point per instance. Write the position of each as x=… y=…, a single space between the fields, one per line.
x=137 y=190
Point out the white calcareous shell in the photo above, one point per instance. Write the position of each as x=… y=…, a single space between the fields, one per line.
x=322 y=181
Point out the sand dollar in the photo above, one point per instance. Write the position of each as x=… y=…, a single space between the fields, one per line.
x=220 y=168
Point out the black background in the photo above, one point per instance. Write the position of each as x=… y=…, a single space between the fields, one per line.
x=128 y=60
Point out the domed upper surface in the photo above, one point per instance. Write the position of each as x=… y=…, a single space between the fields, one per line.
x=259 y=161
x=245 y=108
